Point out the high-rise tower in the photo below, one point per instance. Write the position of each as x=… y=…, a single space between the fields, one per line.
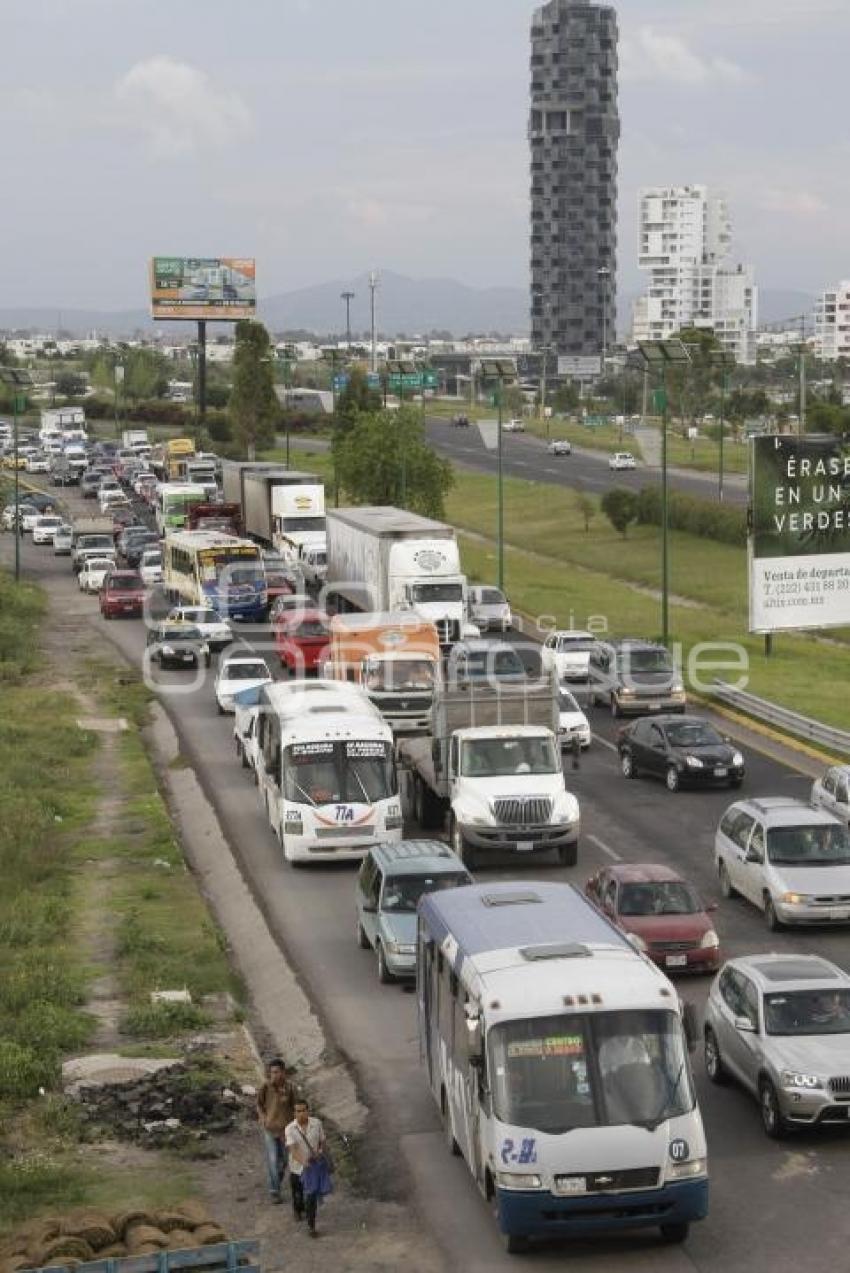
x=574 y=130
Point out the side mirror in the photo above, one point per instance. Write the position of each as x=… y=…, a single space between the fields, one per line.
x=689 y=1021
x=744 y=1025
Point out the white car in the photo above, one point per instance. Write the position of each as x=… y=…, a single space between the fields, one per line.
x=514 y=425
x=38 y=464
x=216 y=631
x=62 y=541
x=832 y=792
x=489 y=609
x=622 y=460
x=572 y=722
x=560 y=446
x=94 y=572
x=29 y=516
x=566 y=652
x=314 y=566
x=239 y=671
x=140 y=479
x=45 y=528
x=150 y=567
x=112 y=498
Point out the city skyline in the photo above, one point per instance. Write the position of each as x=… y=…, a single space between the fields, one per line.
x=340 y=142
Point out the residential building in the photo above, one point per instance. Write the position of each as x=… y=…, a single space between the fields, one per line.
x=832 y=323
x=574 y=130
x=684 y=238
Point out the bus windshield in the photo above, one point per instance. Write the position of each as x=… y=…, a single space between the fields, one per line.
x=359 y=772
x=602 y=1069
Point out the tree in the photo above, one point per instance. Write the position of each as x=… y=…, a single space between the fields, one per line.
x=145 y=374
x=357 y=398
x=384 y=458
x=513 y=400
x=620 y=506
x=566 y=397
x=253 y=407
x=586 y=505
x=690 y=386
x=69 y=384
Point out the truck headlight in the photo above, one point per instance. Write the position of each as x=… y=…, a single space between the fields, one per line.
x=710 y=940
x=686 y=1170
x=794 y=1078
x=516 y=1180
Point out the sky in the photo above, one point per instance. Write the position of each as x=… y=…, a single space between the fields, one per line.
x=327 y=137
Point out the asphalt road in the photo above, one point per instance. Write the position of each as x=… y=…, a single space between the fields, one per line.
x=774 y=1206
x=524 y=455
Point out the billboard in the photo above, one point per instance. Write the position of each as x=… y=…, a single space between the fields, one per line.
x=799 y=542
x=582 y=367
x=220 y=288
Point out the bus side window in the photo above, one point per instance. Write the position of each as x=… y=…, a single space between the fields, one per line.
x=445 y=1005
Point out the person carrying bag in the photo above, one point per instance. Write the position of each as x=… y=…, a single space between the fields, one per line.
x=310 y=1165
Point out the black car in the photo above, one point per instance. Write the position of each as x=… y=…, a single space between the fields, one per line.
x=681 y=750
x=138 y=546
x=177 y=645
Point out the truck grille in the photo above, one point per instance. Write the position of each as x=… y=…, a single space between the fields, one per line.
x=404 y=704
x=608 y=1181
x=523 y=811
x=840 y=1086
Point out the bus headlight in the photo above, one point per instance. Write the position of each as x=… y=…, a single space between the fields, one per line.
x=686 y=1170
x=516 y=1180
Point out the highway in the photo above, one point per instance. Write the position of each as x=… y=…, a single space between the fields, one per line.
x=776 y=1206
x=525 y=456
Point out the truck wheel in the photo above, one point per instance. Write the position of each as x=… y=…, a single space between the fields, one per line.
x=567 y=854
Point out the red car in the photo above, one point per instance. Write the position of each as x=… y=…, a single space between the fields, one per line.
x=122 y=595
x=661 y=913
x=301 y=638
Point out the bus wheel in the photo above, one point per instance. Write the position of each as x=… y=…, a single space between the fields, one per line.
x=516 y=1243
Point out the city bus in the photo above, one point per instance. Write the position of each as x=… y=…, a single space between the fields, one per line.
x=173 y=501
x=558 y=1058
x=205 y=567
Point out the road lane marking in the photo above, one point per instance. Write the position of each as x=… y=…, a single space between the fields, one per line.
x=600 y=844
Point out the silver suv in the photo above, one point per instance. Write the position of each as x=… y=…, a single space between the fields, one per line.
x=780 y=1026
x=787 y=858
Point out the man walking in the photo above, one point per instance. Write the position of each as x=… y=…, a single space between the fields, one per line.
x=308 y=1170
x=275 y=1110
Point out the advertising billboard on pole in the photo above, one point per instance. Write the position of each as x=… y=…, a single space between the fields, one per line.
x=799 y=541
x=217 y=288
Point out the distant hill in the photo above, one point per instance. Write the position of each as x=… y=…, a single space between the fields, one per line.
x=404 y=305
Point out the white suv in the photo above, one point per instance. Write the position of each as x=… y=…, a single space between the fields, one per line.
x=622 y=460
x=786 y=857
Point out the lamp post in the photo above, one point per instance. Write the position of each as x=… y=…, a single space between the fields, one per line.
x=501 y=372
x=722 y=359
x=659 y=354
x=19 y=381
x=348 y=297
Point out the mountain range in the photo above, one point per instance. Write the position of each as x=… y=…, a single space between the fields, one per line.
x=403 y=305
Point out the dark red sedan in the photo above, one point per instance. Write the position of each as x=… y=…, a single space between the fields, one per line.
x=301 y=638
x=122 y=595
x=661 y=913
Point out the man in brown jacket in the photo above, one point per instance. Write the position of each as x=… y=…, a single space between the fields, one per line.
x=275 y=1110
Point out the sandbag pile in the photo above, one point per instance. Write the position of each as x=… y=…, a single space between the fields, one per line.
x=75 y=1239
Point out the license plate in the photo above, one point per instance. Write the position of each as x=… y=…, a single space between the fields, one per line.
x=654 y=707
x=720 y=772
x=525 y=846
x=839 y=915
x=676 y=961
x=572 y=1184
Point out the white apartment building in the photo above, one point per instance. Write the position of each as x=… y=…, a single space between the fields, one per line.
x=832 y=323
x=684 y=238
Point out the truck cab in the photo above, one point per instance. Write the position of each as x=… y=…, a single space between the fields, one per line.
x=394 y=658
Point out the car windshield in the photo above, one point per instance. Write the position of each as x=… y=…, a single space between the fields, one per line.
x=99 y=563
x=817 y=845
x=501 y=757
x=201 y=616
x=658 y=897
x=606 y=1069
x=125 y=583
x=646 y=661
x=244 y=671
x=402 y=892
x=152 y=559
x=574 y=645
x=426 y=593
x=567 y=703
x=481 y=665
x=807 y=1012
x=399 y=674
x=355 y=771
x=693 y=734
x=181 y=634
x=492 y=597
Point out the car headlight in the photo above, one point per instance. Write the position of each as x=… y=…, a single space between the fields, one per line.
x=737 y=759
x=677 y=688
x=626 y=692
x=795 y=899
x=710 y=940
x=686 y=1170
x=694 y=762
x=168 y=649
x=400 y=948
x=516 y=1180
x=794 y=1078
x=637 y=942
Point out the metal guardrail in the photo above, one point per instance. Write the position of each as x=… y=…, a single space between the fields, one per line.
x=813 y=731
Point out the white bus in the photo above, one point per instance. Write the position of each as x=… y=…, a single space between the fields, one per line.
x=558 y=1056
x=326 y=771
x=211 y=568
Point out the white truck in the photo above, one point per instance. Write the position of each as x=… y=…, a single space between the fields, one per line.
x=326 y=771
x=91 y=537
x=262 y=490
x=65 y=424
x=493 y=764
x=135 y=440
x=298 y=518
x=387 y=559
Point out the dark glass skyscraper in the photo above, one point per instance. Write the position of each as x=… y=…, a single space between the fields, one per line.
x=574 y=130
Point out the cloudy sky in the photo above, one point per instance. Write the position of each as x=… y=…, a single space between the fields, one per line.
x=328 y=136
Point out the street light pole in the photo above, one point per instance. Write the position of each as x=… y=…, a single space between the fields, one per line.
x=501 y=491
x=348 y=297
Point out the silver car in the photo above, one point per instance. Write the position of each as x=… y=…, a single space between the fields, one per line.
x=780 y=1026
x=489 y=609
x=790 y=860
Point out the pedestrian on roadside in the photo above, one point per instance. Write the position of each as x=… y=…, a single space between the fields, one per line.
x=309 y=1164
x=275 y=1111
